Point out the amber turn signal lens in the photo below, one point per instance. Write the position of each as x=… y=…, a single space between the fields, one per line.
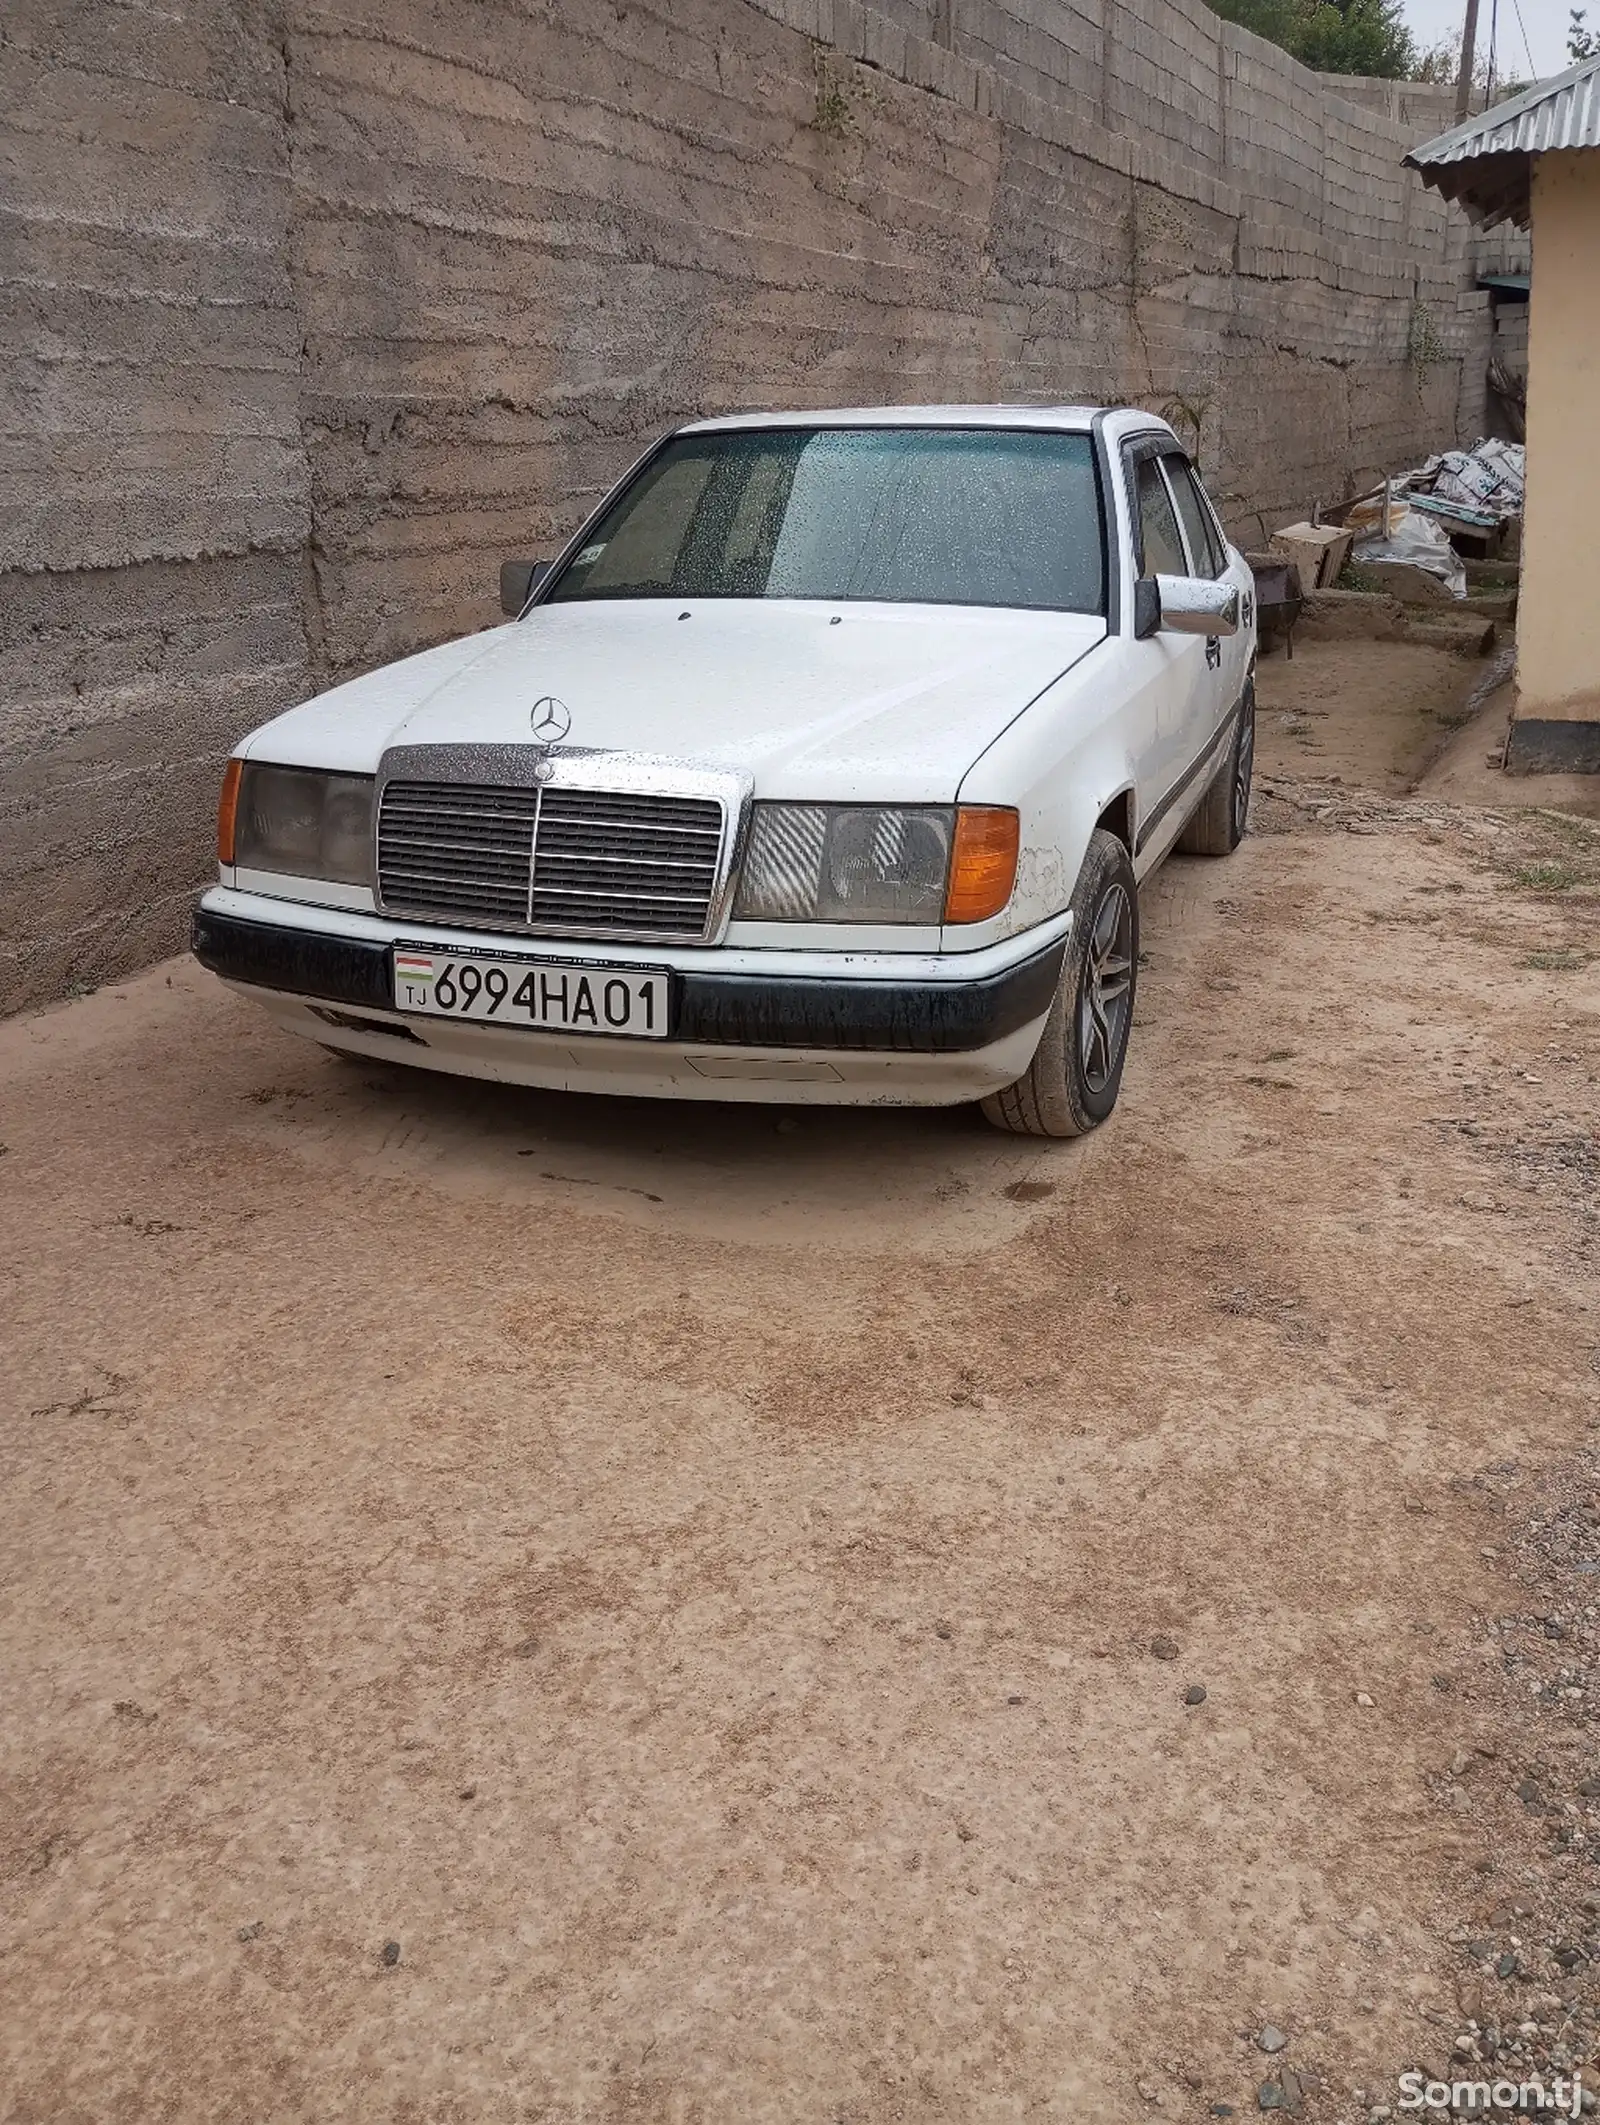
x=983 y=863
x=228 y=811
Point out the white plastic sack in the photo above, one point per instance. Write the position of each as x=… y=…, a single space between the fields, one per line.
x=1510 y=460
x=1488 y=477
x=1417 y=540
x=1464 y=477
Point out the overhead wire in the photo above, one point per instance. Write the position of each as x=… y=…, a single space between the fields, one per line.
x=1526 y=46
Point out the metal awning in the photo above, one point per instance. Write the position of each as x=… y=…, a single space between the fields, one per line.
x=1486 y=165
x=1514 y=286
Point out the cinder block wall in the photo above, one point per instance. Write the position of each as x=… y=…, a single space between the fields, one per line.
x=314 y=308
x=1511 y=337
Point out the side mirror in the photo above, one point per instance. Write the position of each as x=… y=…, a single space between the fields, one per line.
x=1193 y=605
x=517 y=582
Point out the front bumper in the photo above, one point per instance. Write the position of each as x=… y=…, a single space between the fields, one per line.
x=858 y=1026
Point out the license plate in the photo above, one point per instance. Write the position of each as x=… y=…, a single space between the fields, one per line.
x=544 y=994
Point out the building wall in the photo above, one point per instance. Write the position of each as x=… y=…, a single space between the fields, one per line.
x=315 y=308
x=1509 y=346
x=1558 y=621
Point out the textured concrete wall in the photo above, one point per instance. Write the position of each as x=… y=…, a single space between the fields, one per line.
x=314 y=308
x=154 y=500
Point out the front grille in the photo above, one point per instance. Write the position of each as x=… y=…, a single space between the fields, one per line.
x=457 y=851
x=587 y=862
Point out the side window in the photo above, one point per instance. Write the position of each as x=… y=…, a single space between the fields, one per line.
x=1209 y=559
x=1219 y=543
x=1214 y=525
x=1160 y=548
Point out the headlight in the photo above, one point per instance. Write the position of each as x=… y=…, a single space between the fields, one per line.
x=845 y=863
x=304 y=822
x=877 y=863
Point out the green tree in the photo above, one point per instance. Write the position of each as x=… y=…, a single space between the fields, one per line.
x=1361 y=37
x=1582 y=42
x=1333 y=36
x=1276 y=20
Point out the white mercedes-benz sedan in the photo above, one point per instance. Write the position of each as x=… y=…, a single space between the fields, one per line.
x=823 y=765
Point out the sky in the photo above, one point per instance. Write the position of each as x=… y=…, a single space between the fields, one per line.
x=1545 y=22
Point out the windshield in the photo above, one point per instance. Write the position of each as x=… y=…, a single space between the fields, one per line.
x=928 y=516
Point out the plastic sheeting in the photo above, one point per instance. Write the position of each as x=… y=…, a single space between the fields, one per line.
x=1478 y=488
x=1413 y=538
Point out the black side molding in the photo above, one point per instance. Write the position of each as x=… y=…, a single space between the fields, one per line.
x=1209 y=758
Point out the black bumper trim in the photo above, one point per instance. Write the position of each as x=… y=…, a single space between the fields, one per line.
x=268 y=955
x=907 y=1018
x=713 y=1010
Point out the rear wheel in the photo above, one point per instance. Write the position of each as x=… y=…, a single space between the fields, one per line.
x=1072 y=1083
x=1219 y=821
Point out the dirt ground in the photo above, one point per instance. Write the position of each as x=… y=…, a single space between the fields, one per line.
x=524 y=1608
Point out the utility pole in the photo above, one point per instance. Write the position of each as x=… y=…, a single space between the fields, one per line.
x=1469 y=39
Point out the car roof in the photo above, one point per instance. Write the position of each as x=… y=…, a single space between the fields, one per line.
x=1072 y=420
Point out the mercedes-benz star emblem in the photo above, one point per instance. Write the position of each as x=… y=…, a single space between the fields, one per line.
x=550 y=720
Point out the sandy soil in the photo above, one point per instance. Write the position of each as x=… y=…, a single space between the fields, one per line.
x=1466 y=769
x=518 y=1608
x=1372 y=713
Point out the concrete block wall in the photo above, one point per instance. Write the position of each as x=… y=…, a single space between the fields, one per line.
x=1511 y=337
x=315 y=308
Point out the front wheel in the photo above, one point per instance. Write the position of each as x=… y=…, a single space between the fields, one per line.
x=1072 y=1083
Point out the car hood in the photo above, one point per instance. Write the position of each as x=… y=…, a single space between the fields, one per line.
x=850 y=702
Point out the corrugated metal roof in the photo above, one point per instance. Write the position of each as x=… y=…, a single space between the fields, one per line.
x=1485 y=163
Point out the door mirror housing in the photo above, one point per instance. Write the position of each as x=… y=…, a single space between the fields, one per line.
x=1194 y=605
x=518 y=580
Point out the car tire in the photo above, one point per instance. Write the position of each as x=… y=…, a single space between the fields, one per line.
x=1072 y=1083
x=1220 y=818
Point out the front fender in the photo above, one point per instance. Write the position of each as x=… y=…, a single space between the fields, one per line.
x=1064 y=762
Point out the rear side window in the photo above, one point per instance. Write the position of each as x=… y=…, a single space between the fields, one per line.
x=1209 y=558
x=1160 y=548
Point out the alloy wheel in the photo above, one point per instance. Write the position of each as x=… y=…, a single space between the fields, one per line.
x=1105 y=995
x=1243 y=766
